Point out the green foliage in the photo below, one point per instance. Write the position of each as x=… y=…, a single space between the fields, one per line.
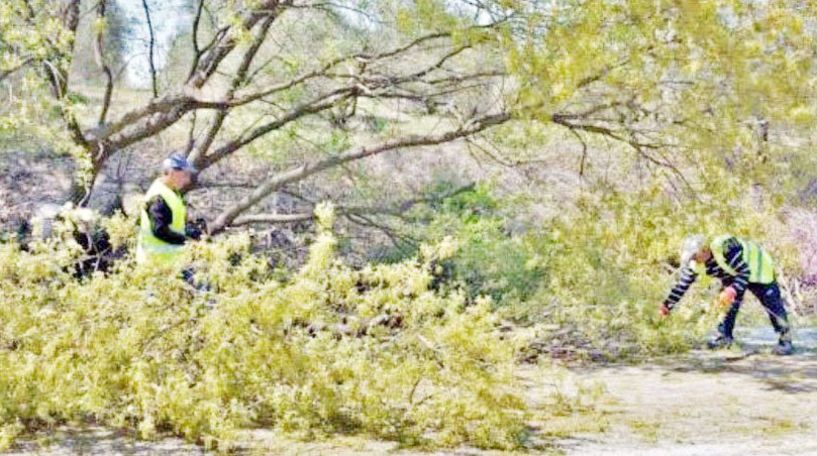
x=29 y=115
x=611 y=263
x=425 y=15
x=686 y=77
x=489 y=261
x=141 y=349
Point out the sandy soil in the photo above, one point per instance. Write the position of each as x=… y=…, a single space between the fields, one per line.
x=737 y=402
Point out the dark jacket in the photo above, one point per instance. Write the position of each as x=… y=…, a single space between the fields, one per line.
x=734 y=256
x=161 y=217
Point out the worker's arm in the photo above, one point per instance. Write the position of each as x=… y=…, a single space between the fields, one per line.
x=734 y=256
x=688 y=276
x=161 y=217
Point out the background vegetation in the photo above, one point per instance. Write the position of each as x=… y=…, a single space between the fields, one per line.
x=509 y=178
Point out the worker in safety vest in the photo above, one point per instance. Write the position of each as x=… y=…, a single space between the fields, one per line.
x=163 y=226
x=741 y=265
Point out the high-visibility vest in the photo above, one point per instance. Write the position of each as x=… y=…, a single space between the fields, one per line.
x=149 y=247
x=761 y=266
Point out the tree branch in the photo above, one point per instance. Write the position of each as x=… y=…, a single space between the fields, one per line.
x=242 y=99
x=151 y=45
x=212 y=59
x=314 y=106
x=636 y=145
x=58 y=75
x=583 y=159
x=165 y=111
x=195 y=37
x=10 y=71
x=239 y=80
x=272 y=218
x=298 y=173
x=359 y=215
x=99 y=55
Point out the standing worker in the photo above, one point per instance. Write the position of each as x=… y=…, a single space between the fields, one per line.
x=740 y=265
x=163 y=226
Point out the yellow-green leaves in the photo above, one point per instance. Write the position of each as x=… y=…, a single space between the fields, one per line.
x=425 y=15
x=332 y=349
x=671 y=60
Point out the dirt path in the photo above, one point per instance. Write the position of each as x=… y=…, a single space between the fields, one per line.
x=738 y=402
x=744 y=401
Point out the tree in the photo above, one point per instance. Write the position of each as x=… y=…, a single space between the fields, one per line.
x=675 y=82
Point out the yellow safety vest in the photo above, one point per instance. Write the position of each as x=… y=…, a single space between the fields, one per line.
x=149 y=247
x=761 y=266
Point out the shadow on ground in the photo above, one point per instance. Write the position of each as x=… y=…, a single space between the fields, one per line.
x=734 y=402
x=752 y=357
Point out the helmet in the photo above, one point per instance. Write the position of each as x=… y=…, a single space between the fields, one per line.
x=692 y=245
x=178 y=161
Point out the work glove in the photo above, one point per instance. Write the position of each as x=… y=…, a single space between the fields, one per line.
x=193 y=233
x=196 y=229
x=664 y=311
x=728 y=296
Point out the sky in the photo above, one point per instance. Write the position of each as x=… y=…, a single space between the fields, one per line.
x=169 y=18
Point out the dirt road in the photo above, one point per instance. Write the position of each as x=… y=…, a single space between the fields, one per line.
x=738 y=402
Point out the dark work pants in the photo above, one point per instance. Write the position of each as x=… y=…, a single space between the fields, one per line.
x=769 y=297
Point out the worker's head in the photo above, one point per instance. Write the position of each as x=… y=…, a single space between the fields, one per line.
x=177 y=172
x=695 y=248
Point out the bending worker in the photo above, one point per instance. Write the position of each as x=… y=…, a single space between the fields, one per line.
x=740 y=265
x=163 y=226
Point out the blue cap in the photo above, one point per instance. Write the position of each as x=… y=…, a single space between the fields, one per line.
x=179 y=162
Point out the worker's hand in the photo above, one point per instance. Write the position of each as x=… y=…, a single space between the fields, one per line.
x=193 y=233
x=728 y=296
x=664 y=311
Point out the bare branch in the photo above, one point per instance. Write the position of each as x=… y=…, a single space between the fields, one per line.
x=239 y=80
x=195 y=37
x=323 y=71
x=627 y=137
x=151 y=48
x=404 y=206
x=308 y=169
x=583 y=159
x=99 y=55
x=224 y=45
x=9 y=72
x=191 y=135
x=152 y=126
x=368 y=222
x=166 y=110
x=314 y=106
x=272 y=218
x=57 y=76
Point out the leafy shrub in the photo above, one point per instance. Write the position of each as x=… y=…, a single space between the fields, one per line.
x=489 y=261
x=797 y=235
x=802 y=226
x=331 y=349
x=613 y=262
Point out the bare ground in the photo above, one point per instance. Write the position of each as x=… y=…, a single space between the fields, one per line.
x=737 y=402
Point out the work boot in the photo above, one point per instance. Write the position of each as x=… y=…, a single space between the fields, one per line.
x=784 y=348
x=719 y=341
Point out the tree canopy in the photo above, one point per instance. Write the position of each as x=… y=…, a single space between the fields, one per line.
x=684 y=85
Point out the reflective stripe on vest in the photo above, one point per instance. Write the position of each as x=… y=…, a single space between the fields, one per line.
x=151 y=247
x=761 y=267
x=698 y=268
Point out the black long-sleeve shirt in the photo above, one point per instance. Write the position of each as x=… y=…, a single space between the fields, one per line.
x=161 y=217
x=734 y=256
